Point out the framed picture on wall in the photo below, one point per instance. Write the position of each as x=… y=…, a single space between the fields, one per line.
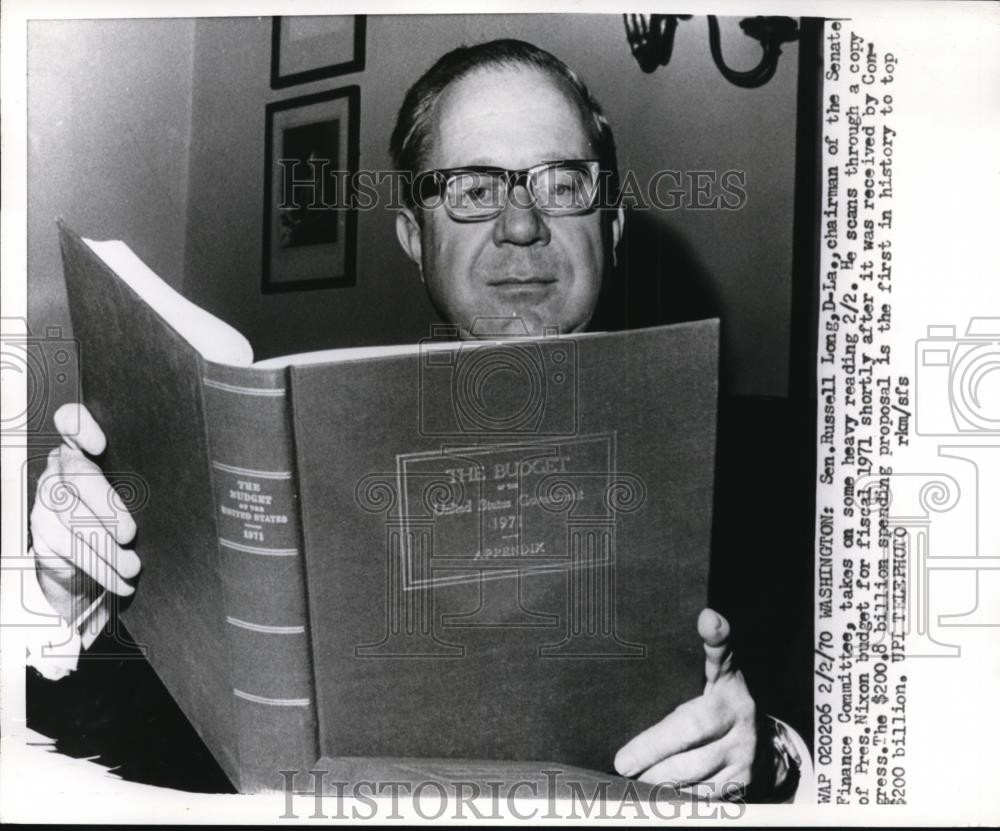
x=310 y=225
x=312 y=47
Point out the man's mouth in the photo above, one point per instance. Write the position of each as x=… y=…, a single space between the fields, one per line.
x=521 y=282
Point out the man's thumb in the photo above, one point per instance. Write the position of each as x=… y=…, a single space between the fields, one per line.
x=79 y=429
x=714 y=631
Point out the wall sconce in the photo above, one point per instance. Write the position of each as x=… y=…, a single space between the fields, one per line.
x=651 y=38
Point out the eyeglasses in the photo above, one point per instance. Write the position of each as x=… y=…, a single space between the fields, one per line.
x=477 y=193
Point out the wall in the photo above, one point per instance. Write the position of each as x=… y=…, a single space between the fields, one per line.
x=231 y=88
x=683 y=117
x=109 y=119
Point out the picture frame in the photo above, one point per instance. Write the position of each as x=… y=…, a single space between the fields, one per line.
x=311 y=161
x=302 y=46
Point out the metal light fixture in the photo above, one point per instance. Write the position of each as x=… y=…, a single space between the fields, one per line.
x=651 y=38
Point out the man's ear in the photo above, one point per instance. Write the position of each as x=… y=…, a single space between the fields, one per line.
x=618 y=226
x=408 y=234
x=617 y=229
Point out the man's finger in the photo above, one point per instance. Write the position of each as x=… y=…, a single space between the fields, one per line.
x=695 y=765
x=78 y=492
x=720 y=786
x=79 y=429
x=692 y=724
x=714 y=631
x=63 y=498
x=54 y=540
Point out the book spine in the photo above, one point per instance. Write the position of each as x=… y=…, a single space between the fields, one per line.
x=262 y=567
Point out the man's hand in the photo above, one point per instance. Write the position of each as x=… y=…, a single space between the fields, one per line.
x=78 y=523
x=712 y=738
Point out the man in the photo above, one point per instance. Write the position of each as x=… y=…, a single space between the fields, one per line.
x=511 y=161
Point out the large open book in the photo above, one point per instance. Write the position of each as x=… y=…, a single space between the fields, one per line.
x=465 y=550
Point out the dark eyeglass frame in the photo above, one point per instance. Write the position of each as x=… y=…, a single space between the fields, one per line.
x=433 y=184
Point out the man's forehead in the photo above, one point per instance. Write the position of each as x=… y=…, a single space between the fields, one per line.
x=508 y=116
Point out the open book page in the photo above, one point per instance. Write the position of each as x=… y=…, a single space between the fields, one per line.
x=360 y=353
x=215 y=339
x=355 y=353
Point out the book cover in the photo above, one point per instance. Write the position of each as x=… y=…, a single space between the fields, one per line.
x=523 y=575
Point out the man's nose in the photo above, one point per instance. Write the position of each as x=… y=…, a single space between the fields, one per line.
x=520 y=223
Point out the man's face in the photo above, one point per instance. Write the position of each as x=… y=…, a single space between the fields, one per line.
x=542 y=270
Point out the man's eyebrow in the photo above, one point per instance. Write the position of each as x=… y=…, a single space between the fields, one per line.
x=480 y=161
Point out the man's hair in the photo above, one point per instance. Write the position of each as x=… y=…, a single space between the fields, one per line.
x=411 y=136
